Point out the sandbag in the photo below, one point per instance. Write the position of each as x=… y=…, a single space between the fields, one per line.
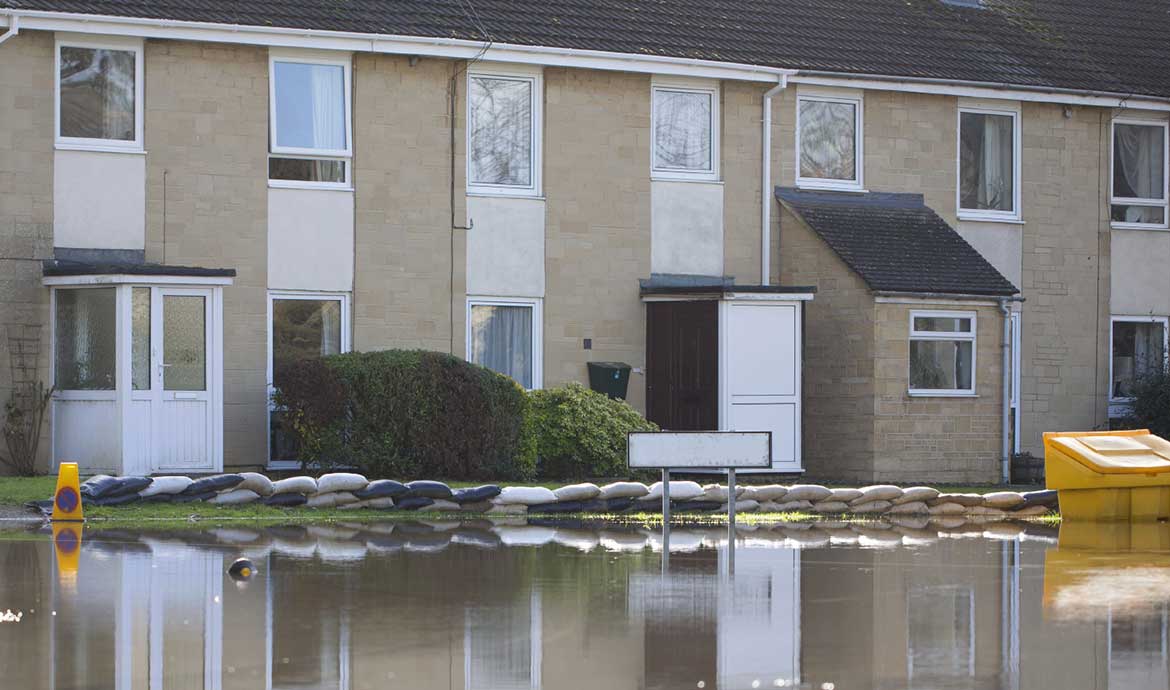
x=879 y=492
x=162 y=486
x=771 y=492
x=98 y=485
x=507 y=509
x=235 y=497
x=1032 y=510
x=967 y=500
x=746 y=493
x=158 y=498
x=413 y=502
x=129 y=485
x=343 y=498
x=254 y=481
x=381 y=488
x=524 y=495
x=617 y=505
x=383 y=503
x=948 y=509
x=911 y=508
x=478 y=494
x=475 y=507
x=294 y=485
x=717 y=492
x=870 y=507
x=679 y=491
x=328 y=500
x=1046 y=498
x=219 y=482
x=567 y=507
x=1002 y=499
x=193 y=498
x=787 y=506
x=286 y=500
x=830 y=506
x=119 y=500
x=747 y=506
x=695 y=506
x=986 y=511
x=807 y=492
x=340 y=481
x=623 y=490
x=577 y=492
x=428 y=489
x=444 y=506
x=916 y=493
x=843 y=495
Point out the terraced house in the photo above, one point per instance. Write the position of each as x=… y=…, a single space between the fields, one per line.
x=907 y=237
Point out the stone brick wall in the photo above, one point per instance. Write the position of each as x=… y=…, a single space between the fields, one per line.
x=206 y=134
x=740 y=153
x=26 y=211
x=597 y=182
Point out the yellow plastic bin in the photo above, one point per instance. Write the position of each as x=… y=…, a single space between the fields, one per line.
x=1109 y=475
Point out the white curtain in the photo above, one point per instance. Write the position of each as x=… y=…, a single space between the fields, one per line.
x=502 y=340
x=328 y=93
x=330 y=328
x=986 y=158
x=1138 y=168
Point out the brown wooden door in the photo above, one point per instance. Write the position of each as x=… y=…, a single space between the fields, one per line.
x=682 y=365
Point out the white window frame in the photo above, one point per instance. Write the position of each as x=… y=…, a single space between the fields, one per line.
x=88 y=144
x=709 y=175
x=1165 y=321
x=537 y=305
x=536 y=93
x=344 y=155
x=1164 y=203
x=976 y=214
x=949 y=336
x=346 y=346
x=858 y=183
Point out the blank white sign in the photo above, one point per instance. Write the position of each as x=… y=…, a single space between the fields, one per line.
x=700 y=449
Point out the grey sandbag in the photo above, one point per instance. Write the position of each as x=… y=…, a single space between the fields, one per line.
x=567 y=507
x=286 y=500
x=219 y=482
x=129 y=485
x=693 y=506
x=427 y=489
x=381 y=488
x=159 y=498
x=98 y=485
x=413 y=502
x=617 y=505
x=1046 y=498
x=192 y=498
x=479 y=493
x=117 y=500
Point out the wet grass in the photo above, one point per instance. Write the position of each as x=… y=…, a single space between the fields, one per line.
x=16 y=491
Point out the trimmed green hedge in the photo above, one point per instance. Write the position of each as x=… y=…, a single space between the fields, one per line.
x=581 y=433
x=408 y=413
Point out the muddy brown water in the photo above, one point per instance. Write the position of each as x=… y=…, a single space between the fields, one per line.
x=518 y=606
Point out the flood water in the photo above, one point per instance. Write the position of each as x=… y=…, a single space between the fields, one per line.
x=498 y=607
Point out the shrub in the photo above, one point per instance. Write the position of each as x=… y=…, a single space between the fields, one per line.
x=582 y=433
x=408 y=413
x=1151 y=403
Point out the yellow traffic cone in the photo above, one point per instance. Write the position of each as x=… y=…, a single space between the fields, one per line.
x=67 y=497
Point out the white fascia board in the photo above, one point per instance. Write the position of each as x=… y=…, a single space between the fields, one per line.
x=384 y=43
x=958 y=88
x=122 y=279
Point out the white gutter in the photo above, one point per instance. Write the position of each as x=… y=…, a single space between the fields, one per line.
x=13 y=27
x=766 y=182
x=1005 y=442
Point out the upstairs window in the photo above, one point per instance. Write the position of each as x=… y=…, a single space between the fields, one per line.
x=502 y=140
x=989 y=165
x=99 y=94
x=310 y=122
x=1139 y=175
x=942 y=353
x=685 y=122
x=828 y=143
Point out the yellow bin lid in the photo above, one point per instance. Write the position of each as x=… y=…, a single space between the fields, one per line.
x=1115 y=452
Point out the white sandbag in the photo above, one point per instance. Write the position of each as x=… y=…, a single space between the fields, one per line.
x=807 y=492
x=948 y=509
x=911 y=508
x=623 y=490
x=830 y=507
x=1002 y=499
x=747 y=493
x=1032 y=511
x=986 y=511
x=870 y=507
x=967 y=500
x=507 y=509
x=791 y=506
x=916 y=493
x=717 y=492
x=879 y=492
x=525 y=496
x=166 y=486
x=475 y=507
x=322 y=500
x=341 y=481
x=745 y=506
x=844 y=495
x=295 y=485
x=771 y=492
x=577 y=492
x=383 y=503
x=254 y=481
x=679 y=491
x=235 y=497
x=443 y=506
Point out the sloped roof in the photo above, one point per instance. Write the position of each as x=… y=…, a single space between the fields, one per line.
x=1095 y=45
x=895 y=243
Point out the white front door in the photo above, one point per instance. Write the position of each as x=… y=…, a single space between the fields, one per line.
x=182 y=421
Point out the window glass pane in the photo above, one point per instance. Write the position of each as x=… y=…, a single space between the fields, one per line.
x=1137 y=351
x=1154 y=215
x=97 y=93
x=310 y=106
x=306 y=170
x=501 y=340
x=940 y=365
x=942 y=324
x=140 y=338
x=682 y=130
x=301 y=329
x=501 y=131
x=184 y=343
x=986 y=168
x=85 y=333
x=828 y=140
x=1138 y=162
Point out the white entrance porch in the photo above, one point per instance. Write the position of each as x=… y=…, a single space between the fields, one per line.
x=137 y=367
